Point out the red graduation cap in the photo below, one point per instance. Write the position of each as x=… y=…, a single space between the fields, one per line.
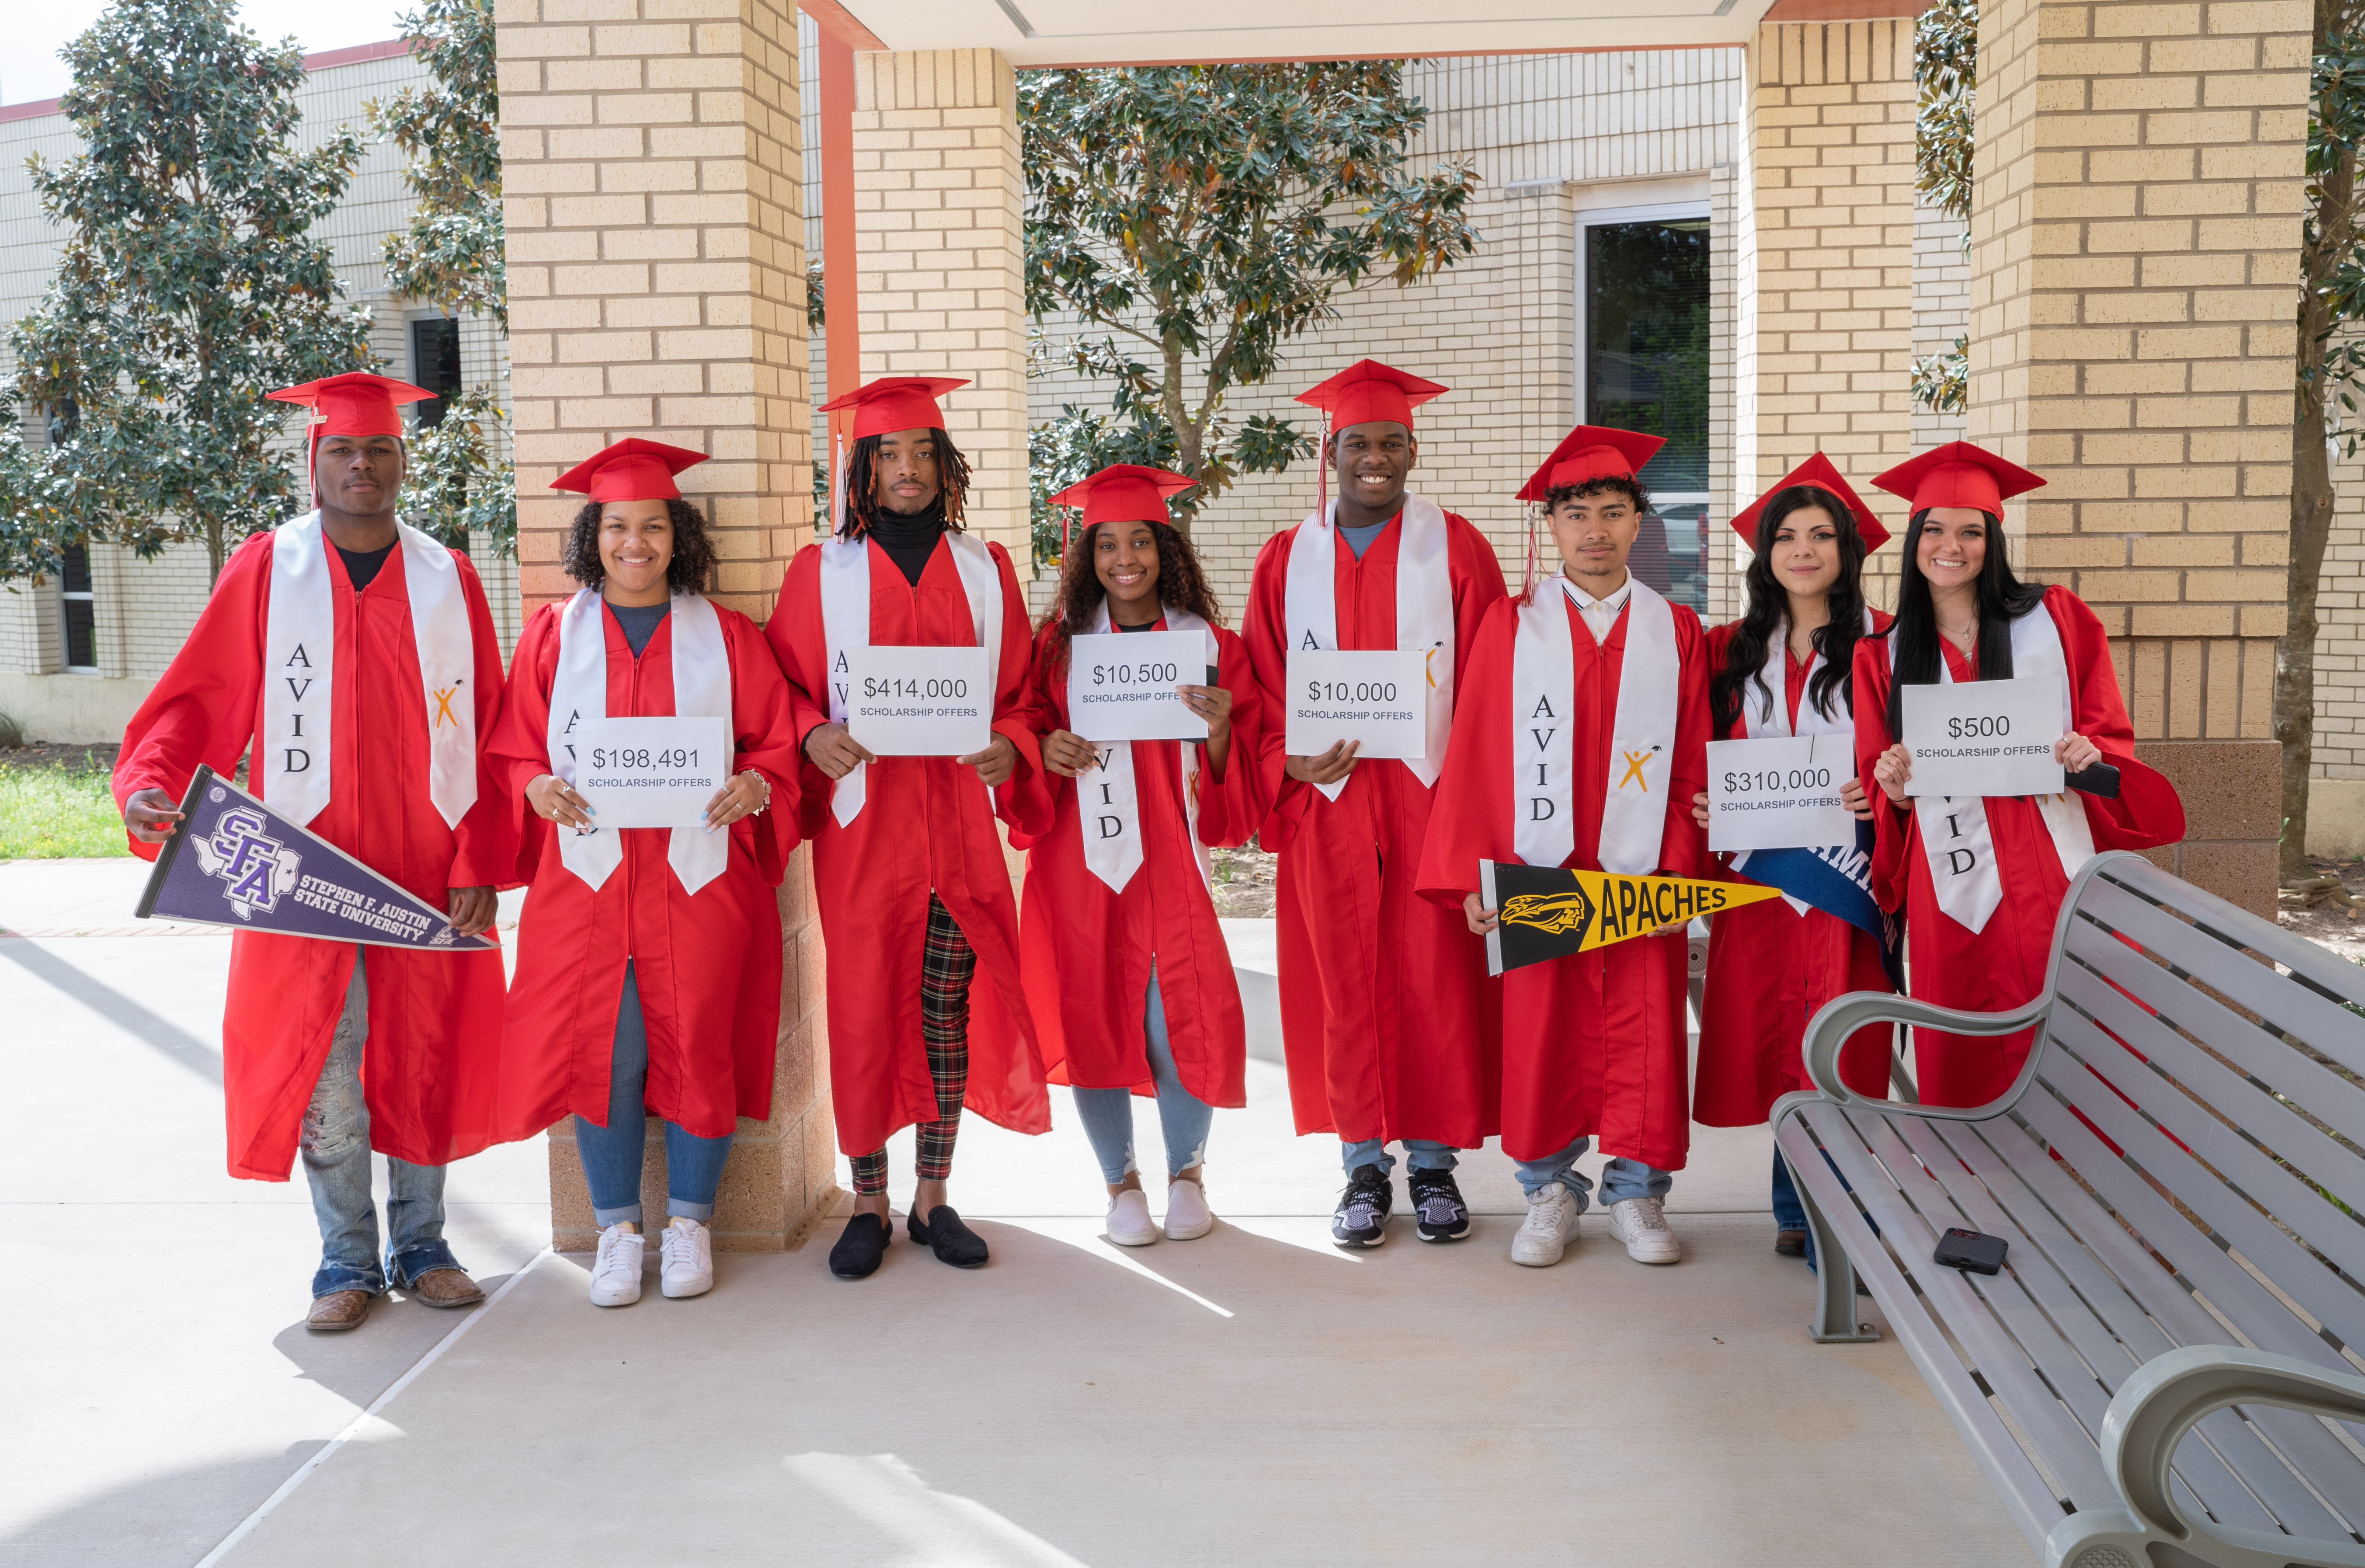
x=1818 y=473
x=896 y=403
x=1958 y=475
x=1368 y=390
x=356 y=403
x=632 y=470
x=1121 y=492
x=1591 y=452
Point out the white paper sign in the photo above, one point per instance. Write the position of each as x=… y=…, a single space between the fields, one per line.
x=1779 y=793
x=1124 y=686
x=923 y=702
x=1377 y=696
x=1984 y=737
x=651 y=772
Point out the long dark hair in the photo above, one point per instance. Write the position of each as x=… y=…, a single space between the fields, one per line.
x=1745 y=656
x=688 y=570
x=1181 y=583
x=861 y=480
x=1913 y=655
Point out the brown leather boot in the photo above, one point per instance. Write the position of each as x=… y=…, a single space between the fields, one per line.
x=445 y=1287
x=339 y=1312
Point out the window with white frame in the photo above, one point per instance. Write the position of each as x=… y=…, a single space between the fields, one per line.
x=1642 y=364
x=77 y=611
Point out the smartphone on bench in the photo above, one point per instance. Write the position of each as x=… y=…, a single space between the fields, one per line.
x=1972 y=1250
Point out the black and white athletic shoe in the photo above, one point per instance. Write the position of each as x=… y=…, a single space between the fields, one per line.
x=1438 y=1213
x=1362 y=1217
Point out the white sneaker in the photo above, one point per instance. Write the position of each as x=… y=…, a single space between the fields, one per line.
x=685 y=1259
x=1128 y=1219
x=1641 y=1224
x=1188 y=1215
x=1550 y=1226
x=616 y=1271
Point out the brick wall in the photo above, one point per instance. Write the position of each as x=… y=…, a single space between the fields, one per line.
x=2133 y=256
x=1942 y=276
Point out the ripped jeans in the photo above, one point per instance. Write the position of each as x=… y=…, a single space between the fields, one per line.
x=337 y=1166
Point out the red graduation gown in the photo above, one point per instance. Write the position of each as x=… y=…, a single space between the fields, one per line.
x=2003 y=965
x=926 y=824
x=434 y=1051
x=1386 y=1018
x=707 y=965
x=1594 y=1043
x=1770 y=968
x=1086 y=952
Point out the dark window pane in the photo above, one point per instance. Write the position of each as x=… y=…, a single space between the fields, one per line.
x=82 y=634
x=435 y=364
x=76 y=574
x=1646 y=340
x=1681 y=531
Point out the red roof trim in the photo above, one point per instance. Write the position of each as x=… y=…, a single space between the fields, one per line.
x=326 y=60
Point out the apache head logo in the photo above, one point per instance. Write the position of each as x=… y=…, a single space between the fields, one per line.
x=258 y=867
x=1551 y=913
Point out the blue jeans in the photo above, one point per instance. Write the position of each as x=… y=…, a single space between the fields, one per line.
x=612 y=1154
x=336 y=1147
x=1421 y=1154
x=1182 y=1117
x=1621 y=1179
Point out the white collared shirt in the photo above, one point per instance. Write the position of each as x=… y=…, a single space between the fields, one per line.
x=1600 y=614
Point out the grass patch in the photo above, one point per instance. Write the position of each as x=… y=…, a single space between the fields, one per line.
x=51 y=814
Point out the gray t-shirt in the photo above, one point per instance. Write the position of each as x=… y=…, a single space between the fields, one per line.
x=1360 y=538
x=639 y=623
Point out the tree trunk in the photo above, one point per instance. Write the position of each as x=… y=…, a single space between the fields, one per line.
x=215 y=550
x=2311 y=525
x=1188 y=448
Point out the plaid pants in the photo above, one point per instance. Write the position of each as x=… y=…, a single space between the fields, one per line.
x=948 y=963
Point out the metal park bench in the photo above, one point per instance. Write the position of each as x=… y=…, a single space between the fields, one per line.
x=2157 y=1376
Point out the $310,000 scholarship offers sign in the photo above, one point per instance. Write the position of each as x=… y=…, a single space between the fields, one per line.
x=234 y=861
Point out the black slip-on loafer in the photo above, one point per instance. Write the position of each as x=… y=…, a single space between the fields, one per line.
x=860 y=1248
x=947 y=1237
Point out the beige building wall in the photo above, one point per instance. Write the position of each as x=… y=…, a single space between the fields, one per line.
x=2134 y=260
x=1942 y=276
x=2336 y=806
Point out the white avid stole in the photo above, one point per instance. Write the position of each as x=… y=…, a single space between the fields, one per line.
x=1424 y=609
x=300 y=653
x=578 y=693
x=846 y=625
x=1641 y=732
x=1757 y=724
x=1955 y=836
x=1108 y=809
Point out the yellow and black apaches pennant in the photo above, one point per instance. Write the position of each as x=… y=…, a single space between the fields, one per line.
x=1550 y=912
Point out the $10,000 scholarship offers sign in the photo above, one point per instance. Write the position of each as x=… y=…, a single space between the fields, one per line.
x=234 y=861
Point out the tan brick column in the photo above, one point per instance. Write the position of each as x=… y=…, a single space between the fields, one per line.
x=939 y=243
x=2134 y=263
x=1827 y=267
x=656 y=286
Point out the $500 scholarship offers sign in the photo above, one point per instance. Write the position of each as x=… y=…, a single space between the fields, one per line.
x=1984 y=737
x=234 y=861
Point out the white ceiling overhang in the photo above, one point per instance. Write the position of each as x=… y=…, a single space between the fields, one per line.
x=1099 y=32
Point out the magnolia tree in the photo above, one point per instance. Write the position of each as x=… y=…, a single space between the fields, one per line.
x=1946 y=77
x=450 y=254
x=187 y=287
x=1191 y=221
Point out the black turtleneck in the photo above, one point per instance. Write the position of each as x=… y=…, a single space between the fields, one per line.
x=909 y=539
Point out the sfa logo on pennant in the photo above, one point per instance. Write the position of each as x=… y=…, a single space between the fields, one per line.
x=236 y=862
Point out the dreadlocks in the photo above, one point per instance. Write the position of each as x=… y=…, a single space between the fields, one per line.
x=862 y=505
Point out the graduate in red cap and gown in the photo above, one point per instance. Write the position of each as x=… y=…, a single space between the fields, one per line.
x=1784 y=670
x=1386 y=1017
x=648 y=962
x=1131 y=984
x=916 y=899
x=352 y=660
x=1581 y=742
x=1980 y=880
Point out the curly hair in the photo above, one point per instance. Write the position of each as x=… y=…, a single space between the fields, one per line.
x=1181 y=583
x=691 y=569
x=861 y=482
x=1614 y=484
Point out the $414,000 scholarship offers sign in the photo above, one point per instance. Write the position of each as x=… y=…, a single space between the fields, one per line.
x=233 y=861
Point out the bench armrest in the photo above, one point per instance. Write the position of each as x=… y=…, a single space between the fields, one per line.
x=1843 y=1015
x=2150 y=1415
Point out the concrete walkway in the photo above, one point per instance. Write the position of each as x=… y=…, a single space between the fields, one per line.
x=1255 y=1397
